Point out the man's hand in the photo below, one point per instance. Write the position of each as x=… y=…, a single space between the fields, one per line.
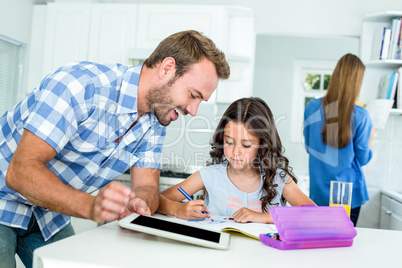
x=136 y=205
x=110 y=202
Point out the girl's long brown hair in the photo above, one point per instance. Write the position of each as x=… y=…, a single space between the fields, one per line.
x=339 y=102
x=256 y=116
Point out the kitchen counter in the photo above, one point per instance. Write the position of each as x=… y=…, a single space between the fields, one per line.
x=111 y=246
x=391 y=210
x=393 y=194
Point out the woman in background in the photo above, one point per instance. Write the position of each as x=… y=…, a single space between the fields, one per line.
x=338 y=136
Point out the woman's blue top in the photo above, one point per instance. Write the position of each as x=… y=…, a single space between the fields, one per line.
x=345 y=164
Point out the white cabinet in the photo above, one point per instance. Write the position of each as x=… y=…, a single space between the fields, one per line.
x=240 y=52
x=36 y=47
x=375 y=68
x=112 y=32
x=66 y=35
x=94 y=32
x=391 y=213
x=231 y=29
x=157 y=21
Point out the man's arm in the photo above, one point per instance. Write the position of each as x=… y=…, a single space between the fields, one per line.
x=29 y=175
x=145 y=185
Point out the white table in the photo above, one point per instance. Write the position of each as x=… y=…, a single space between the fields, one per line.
x=111 y=246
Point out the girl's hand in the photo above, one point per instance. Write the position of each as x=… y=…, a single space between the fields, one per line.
x=247 y=215
x=191 y=210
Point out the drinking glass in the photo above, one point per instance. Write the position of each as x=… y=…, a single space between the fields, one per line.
x=340 y=195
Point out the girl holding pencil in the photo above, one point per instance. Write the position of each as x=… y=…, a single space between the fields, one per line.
x=248 y=173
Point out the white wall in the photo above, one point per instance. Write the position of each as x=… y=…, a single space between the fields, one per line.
x=384 y=170
x=273 y=80
x=15 y=19
x=15 y=23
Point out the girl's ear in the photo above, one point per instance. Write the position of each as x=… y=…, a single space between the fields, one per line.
x=167 y=68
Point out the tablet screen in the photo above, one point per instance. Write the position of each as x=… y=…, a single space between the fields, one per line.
x=177 y=228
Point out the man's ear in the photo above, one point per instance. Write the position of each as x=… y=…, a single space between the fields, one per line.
x=167 y=68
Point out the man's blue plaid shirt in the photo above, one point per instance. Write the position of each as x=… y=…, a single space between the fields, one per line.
x=79 y=110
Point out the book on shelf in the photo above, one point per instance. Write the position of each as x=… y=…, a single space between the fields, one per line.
x=399 y=52
x=387 y=41
x=383 y=86
x=393 y=44
x=397 y=39
x=396 y=101
x=388 y=96
x=378 y=42
x=398 y=93
x=221 y=224
x=385 y=48
x=388 y=85
x=392 y=86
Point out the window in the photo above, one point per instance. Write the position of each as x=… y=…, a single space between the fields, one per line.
x=315 y=83
x=311 y=79
x=11 y=63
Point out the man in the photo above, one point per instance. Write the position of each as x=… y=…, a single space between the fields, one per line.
x=83 y=126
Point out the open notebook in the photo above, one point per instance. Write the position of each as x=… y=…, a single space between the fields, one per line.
x=219 y=224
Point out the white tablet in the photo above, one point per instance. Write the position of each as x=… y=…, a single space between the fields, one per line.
x=176 y=231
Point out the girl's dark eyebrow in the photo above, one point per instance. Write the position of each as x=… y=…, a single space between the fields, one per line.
x=226 y=136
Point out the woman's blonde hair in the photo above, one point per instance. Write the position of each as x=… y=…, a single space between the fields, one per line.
x=339 y=102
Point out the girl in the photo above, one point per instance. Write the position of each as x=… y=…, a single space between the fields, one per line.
x=248 y=173
x=338 y=138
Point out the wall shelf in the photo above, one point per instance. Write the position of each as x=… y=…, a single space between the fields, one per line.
x=396 y=112
x=384 y=63
x=375 y=68
x=385 y=16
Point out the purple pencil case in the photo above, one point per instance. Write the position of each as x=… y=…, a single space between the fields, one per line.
x=310 y=226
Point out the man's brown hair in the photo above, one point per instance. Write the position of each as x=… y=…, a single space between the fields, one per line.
x=187 y=48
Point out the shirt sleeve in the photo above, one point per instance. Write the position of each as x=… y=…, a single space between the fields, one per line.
x=280 y=181
x=59 y=99
x=208 y=176
x=362 y=137
x=150 y=152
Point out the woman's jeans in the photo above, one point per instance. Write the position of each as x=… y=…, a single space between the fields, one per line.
x=354 y=215
x=24 y=242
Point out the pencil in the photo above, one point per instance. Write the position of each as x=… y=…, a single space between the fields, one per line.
x=189 y=198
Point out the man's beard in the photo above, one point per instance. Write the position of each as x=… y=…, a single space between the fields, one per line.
x=161 y=103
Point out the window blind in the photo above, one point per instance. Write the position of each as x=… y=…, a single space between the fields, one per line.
x=11 y=64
